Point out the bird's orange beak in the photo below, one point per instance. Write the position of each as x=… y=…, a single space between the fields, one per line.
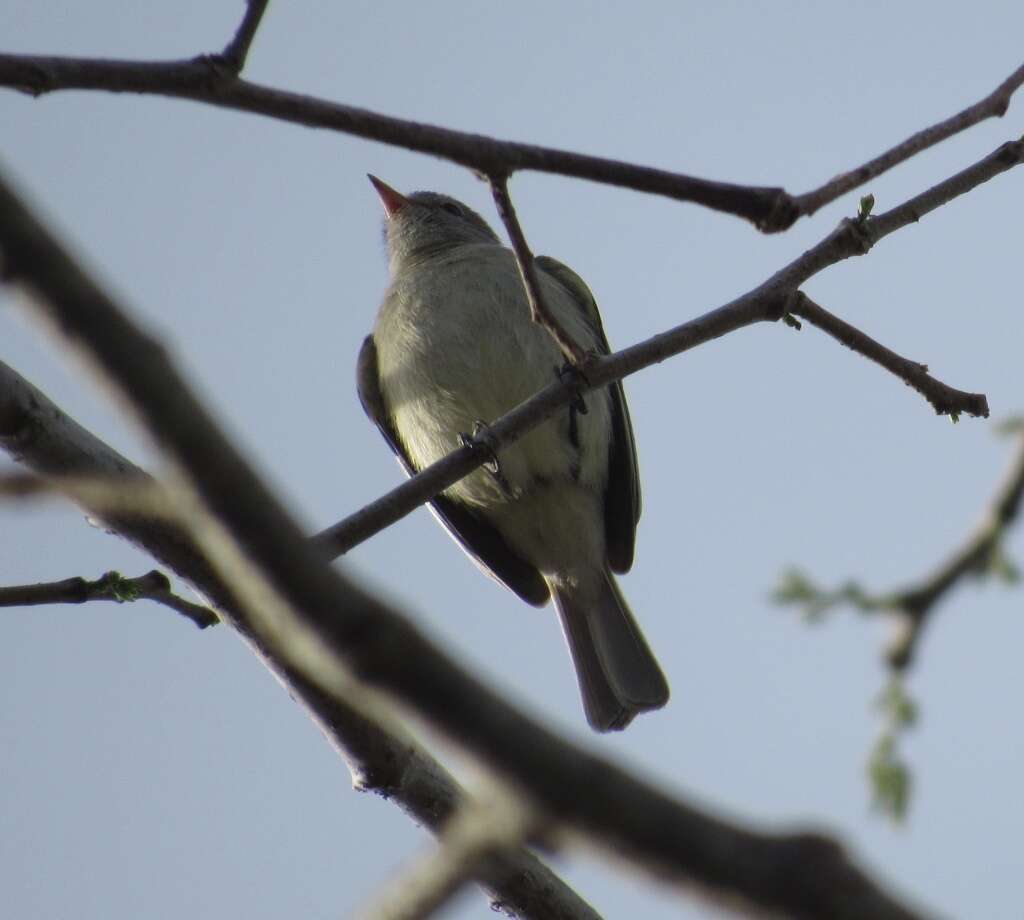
x=393 y=201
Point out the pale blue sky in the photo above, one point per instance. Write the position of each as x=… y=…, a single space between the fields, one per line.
x=149 y=770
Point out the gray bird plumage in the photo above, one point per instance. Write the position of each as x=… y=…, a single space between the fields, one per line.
x=453 y=347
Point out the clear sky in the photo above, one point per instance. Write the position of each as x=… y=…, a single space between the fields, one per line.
x=149 y=770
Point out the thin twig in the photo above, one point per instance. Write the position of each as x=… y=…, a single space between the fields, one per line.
x=994 y=104
x=201 y=79
x=478 y=830
x=1004 y=157
x=539 y=311
x=803 y=875
x=237 y=50
x=979 y=554
x=944 y=399
x=111 y=586
x=768 y=302
x=114 y=494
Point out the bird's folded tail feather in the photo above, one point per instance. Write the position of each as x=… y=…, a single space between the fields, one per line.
x=618 y=675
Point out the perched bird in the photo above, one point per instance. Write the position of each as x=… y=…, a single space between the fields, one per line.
x=555 y=513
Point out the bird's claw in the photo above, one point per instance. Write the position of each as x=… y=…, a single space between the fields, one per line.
x=479 y=440
x=573 y=374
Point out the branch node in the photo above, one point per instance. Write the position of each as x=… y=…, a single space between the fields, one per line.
x=1011 y=153
x=237 y=50
x=858 y=231
x=783 y=306
x=218 y=70
x=785 y=211
x=40 y=80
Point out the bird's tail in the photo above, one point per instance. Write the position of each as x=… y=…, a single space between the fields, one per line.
x=617 y=673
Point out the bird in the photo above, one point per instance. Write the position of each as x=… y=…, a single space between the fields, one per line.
x=552 y=515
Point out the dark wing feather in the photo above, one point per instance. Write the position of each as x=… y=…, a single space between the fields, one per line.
x=478 y=538
x=622 y=501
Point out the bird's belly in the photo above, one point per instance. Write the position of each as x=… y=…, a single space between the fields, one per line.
x=472 y=369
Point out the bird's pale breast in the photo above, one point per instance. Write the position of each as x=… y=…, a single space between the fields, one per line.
x=456 y=346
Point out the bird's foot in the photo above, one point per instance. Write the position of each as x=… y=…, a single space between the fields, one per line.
x=572 y=374
x=480 y=441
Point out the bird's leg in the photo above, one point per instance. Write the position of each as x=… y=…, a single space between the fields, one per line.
x=576 y=408
x=571 y=373
x=479 y=440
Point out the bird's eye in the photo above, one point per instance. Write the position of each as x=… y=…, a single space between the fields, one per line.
x=452 y=208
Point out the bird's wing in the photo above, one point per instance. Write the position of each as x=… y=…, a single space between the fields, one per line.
x=622 y=502
x=481 y=541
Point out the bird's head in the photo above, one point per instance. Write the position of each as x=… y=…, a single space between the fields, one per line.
x=424 y=223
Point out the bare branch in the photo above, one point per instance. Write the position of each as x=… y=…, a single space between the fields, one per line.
x=768 y=302
x=115 y=495
x=478 y=830
x=1004 y=157
x=203 y=79
x=944 y=399
x=856 y=236
x=993 y=105
x=539 y=311
x=111 y=586
x=237 y=50
x=200 y=80
x=980 y=554
x=804 y=875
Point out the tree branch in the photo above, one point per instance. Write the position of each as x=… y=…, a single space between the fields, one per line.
x=993 y=105
x=200 y=80
x=944 y=399
x=802 y=874
x=142 y=496
x=980 y=554
x=539 y=312
x=111 y=586
x=478 y=830
x=203 y=79
x=768 y=302
x=237 y=50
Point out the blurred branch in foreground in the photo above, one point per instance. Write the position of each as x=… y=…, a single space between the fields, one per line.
x=40 y=435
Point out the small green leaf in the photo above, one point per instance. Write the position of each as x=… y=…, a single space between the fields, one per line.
x=867 y=202
x=890 y=779
x=121 y=589
x=897 y=705
x=794 y=588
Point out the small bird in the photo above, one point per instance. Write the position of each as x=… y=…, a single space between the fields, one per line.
x=553 y=514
